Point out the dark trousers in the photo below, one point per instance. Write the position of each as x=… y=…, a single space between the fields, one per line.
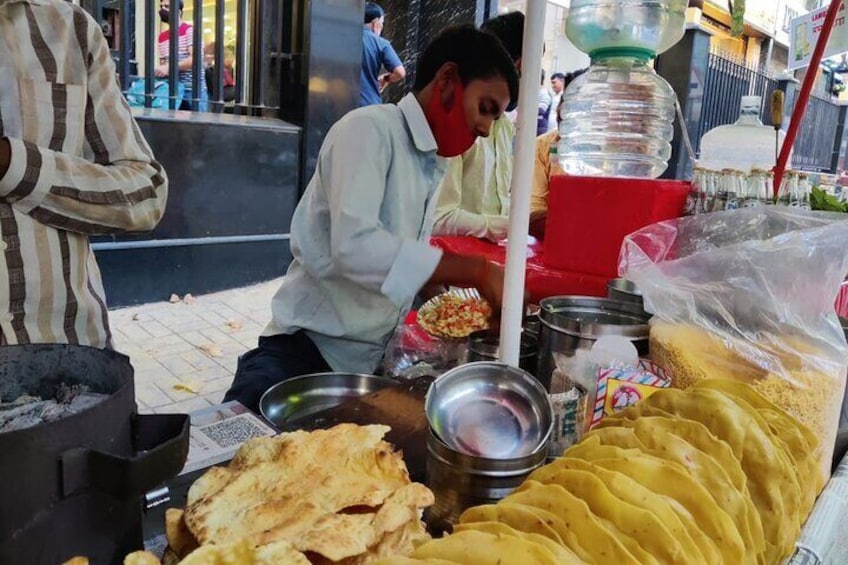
x=276 y=359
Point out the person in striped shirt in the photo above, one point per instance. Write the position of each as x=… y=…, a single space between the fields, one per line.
x=185 y=52
x=73 y=163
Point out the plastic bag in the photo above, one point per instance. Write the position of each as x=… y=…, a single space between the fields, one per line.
x=749 y=295
x=412 y=352
x=161 y=91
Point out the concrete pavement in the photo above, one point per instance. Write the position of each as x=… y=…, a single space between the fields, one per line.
x=185 y=352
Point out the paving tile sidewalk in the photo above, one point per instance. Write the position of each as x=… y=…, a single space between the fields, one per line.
x=185 y=353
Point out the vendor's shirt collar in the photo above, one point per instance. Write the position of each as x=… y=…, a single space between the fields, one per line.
x=422 y=135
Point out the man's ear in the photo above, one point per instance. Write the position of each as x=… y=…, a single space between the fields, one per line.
x=518 y=66
x=447 y=78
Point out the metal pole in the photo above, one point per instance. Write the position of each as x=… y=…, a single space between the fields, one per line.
x=126 y=38
x=522 y=176
x=197 y=51
x=173 y=52
x=150 y=51
x=259 y=55
x=218 y=75
x=241 y=52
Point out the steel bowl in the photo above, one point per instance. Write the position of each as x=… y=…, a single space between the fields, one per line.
x=300 y=397
x=490 y=410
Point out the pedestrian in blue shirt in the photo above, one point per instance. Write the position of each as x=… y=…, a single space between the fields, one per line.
x=360 y=234
x=377 y=55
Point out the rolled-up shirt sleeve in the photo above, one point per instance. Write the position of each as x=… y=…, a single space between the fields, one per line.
x=354 y=171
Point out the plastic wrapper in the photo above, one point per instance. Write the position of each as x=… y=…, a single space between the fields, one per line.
x=413 y=353
x=749 y=295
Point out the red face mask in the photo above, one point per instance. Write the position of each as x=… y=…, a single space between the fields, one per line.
x=450 y=127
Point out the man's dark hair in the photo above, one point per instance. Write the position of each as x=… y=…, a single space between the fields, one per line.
x=509 y=28
x=477 y=54
x=569 y=78
x=559 y=76
x=373 y=11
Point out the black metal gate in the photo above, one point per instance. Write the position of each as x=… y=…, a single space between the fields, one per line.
x=727 y=81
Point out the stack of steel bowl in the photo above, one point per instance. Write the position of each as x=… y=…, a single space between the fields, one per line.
x=490 y=426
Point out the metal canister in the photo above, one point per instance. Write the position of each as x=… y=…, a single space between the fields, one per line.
x=532 y=325
x=571 y=323
x=485 y=346
x=624 y=291
x=461 y=481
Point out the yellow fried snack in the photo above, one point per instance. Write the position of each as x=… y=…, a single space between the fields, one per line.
x=141 y=558
x=803 y=444
x=180 y=539
x=560 y=552
x=672 y=481
x=528 y=518
x=637 y=523
x=796 y=373
x=412 y=561
x=772 y=482
x=517 y=516
x=483 y=548
x=595 y=537
x=628 y=490
x=299 y=487
x=705 y=470
x=76 y=561
x=244 y=553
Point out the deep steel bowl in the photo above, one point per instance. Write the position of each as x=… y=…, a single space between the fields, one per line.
x=490 y=410
x=300 y=397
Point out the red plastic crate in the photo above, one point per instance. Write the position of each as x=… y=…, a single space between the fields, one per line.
x=588 y=218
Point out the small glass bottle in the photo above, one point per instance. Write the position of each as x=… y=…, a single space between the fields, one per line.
x=733 y=186
x=788 y=193
x=694 y=202
x=711 y=183
x=805 y=190
x=757 y=190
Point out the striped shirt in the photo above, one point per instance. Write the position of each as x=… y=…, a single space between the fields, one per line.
x=183 y=48
x=79 y=166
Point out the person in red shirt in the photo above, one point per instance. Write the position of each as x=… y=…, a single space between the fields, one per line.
x=185 y=54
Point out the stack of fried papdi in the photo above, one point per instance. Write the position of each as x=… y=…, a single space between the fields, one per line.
x=341 y=495
x=715 y=474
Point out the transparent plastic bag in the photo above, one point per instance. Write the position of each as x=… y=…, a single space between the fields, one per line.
x=413 y=353
x=749 y=295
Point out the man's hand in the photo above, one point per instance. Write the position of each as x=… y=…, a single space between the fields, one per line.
x=5 y=156
x=490 y=284
x=161 y=70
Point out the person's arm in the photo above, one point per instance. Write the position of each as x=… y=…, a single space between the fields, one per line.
x=392 y=63
x=452 y=220
x=353 y=167
x=116 y=186
x=539 y=194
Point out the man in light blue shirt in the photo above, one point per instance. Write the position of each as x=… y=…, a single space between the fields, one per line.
x=360 y=233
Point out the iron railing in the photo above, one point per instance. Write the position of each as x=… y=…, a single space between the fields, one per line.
x=728 y=80
x=251 y=63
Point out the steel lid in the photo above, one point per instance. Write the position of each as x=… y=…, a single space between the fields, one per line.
x=490 y=410
x=592 y=317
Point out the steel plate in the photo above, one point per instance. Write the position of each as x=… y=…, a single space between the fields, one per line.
x=295 y=399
